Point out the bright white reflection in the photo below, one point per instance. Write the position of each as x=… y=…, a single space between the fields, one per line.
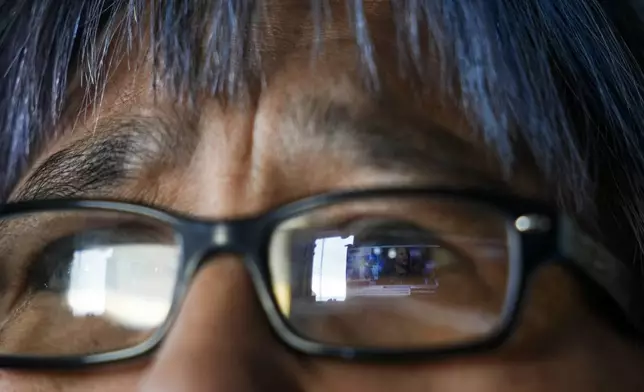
x=131 y=285
x=86 y=295
x=329 y=280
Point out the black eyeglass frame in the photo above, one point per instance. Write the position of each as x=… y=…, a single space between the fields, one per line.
x=552 y=238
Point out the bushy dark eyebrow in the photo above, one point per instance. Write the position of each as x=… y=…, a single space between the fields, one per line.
x=115 y=152
x=382 y=140
x=77 y=169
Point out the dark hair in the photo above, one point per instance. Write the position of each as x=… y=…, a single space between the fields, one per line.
x=563 y=78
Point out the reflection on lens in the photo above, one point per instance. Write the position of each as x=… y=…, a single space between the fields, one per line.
x=93 y=281
x=122 y=284
x=406 y=273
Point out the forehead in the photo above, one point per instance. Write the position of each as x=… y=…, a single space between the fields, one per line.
x=310 y=87
x=501 y=64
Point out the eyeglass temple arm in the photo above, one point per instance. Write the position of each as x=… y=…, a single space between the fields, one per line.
x=599 y=264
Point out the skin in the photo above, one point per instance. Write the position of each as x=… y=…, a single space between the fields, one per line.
x=275 y=148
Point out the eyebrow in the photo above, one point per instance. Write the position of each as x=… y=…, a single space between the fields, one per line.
x=401 y=144
x=115 y=152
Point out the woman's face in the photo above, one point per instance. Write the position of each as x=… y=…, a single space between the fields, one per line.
x=312 y=129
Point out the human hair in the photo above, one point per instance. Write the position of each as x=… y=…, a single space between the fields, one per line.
x=562 y=78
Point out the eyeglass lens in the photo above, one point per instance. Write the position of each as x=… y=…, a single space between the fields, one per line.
x=393 y=273
x=84 y=282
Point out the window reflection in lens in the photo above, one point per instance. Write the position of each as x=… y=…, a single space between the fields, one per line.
x=91 y=281
x=130 y=285
x=400 y=273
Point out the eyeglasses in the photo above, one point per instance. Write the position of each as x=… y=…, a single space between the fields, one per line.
x=368 y=274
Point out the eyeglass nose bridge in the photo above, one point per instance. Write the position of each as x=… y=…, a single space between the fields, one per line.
x=234 y=237
x=204 y=241
x=242 y=238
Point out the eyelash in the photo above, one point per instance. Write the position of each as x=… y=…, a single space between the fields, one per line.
x=44 y=261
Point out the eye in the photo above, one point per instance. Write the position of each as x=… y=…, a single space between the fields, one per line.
x=50 y=269
x=392 y=273
x=94 y=282
x=411 y=248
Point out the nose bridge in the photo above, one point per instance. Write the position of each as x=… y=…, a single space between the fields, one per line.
x=221 y=339
x=237 y=241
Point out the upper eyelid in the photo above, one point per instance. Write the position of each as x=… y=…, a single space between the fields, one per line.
x=40 y=242
x=367 y=209
x=120 y=232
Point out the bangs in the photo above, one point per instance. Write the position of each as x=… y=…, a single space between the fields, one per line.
x=559 y=77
